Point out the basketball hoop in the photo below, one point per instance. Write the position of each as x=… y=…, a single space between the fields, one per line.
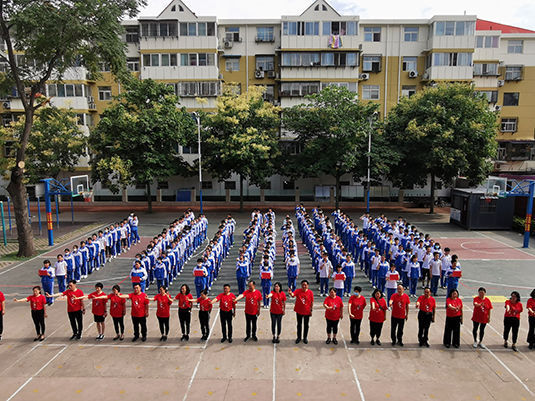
x=88 y=196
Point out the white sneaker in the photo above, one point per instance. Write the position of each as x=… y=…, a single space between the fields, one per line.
x=481 y=345
x=475 y=344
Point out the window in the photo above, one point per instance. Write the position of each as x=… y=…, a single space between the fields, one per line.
x=352 y=28
x=508 y=125
x=371 y=63
x=230 y=184
x=104 y=67
x=411 y=33
x=154 y=60
x=289 y=28
x=192 y=88
x=191 y=150
x=486 y=69
x=513 y=72
x=52 y=90
x=141 y=185
x=327 y=59
x=104 y=93
x=264 y=34
x=197 y=29
x=265 y=63
x=454 y=28
x=312 y=28
x=201 y=29
x=269 y=94
x=299 y=89
x=301 y=28
x=351 y=86
x=232 y=64
x=232 y=34
x=515 y=46
x=370 y=92
x=206 y=184
x=132 y=64
x=487 y=41
x=192 y=59
x=132 y=34
x=78 y=90
x=510 y=98
x=372 y=34
x=410 y=63
x=452 y=59
x=163 y=184
x=408 y=91
x=491 y=96
x=165 y=60
x=288 y=184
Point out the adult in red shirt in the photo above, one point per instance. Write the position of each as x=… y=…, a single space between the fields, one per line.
x=98 y=307
x=2 y=313
x=377 y=316
x=163 y=311
x=117 y=312
x=399 y=302
x=334 y=312
x=530 y=306
x=227 y=310
x=205 y=307
x=426 y=306
x=140 y=311
x=481 y=316
x=304 y=304
x=277 y=310
x=38 y=307
x=252 y=309
x=185 y=301
x=355 y=307
x=75 y=308
x=454 y=319
x=511 y=319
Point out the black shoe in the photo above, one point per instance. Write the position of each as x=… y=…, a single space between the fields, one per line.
x=393 y=343
x=378 y=342
x=352 y=342
x=143 y=339
x=223 y=339
x=161 y=338
x=328 y=341
x=135 y=339
x=372 y=342
x=230 y=340
x=446 y=345
x=513 y=347
x=255 y=338
x=357 y=342
x=183 y=337
x=78 y=336
x=246 y=339
x=297 y=340
x=335 y=341
x=116 y=337
x=305 y=341
x=165 y=338
x=72 y=337
x=41 y=338
x=187 y=337
x=37 y=338
x=400 y=343
x=274 y=341
x=530 y=346
x=277 y=340
x=420 y=344
x=426 y=344
x=455 y=346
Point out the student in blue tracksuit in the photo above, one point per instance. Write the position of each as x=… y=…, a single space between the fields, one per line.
x=265 y=270
x=69 y=260
x=348 y=267
x=47 y=274
x=292 y=271
x=384 y=266
x=242 y=273
x=160 y=273
x=91 y=260
x=201 y=281
x=414 y=274
x=453 y=282
x=78 y=260
x=139 y=275
x=84 y=251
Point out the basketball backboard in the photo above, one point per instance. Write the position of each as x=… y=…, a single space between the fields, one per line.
x=79 y=184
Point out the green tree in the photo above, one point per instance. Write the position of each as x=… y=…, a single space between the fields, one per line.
x=53 y=36
x=241 y=137
x=333 y=128
x=442 y=132
x=137 y=137
x=56 y=143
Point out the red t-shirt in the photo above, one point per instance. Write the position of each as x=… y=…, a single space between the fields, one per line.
x=303 y=301
x=531 y=304
x=399 y=305
x=116 y=305
x=205 y=304
x=138 y=304
x=426 y=304
x=482 y=309
x=73 y=305
x=357 y=306
x=163 y=305
x=378 y=312
x=99 y=305
x=183 y=302
x=37 y=302
x=337 y=305
x=226 y=301
x=514 y=309
x=252 y=298
x=277 y=300
x=457 y=302
x=2 y=299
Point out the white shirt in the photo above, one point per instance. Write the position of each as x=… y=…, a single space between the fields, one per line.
x=61 y=268
x=325 y=267
x=436 y=266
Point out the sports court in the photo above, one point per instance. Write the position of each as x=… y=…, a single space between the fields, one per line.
x=61 y=369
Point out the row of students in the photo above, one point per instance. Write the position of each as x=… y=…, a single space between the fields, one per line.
x=248 y=249
x=334 y=312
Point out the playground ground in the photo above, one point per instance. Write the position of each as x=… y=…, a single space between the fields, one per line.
x=85 y=370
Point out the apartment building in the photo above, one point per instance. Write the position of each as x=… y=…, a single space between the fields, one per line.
x=296 y=55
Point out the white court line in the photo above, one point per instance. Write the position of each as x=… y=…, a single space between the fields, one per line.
x=274 y=397
x=503 y=243
x=51 y=250
x=477 y=250
x=36 y=373
x=357 y=382
x=200 y=358
x=498 y=284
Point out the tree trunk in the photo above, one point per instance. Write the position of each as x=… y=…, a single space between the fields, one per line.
x=337 y=193
x=432 y=206
x=149 y=198
x=241 y=193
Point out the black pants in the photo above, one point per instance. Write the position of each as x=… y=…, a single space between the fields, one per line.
x=276 y=324
x=164 y=325
x=452 y=331
x=375 y=329
x=531 y=330
x=396 y=329
x=510 y=323
x=140 y=322
x=354 y=329
x=424 y=322
x=38 y=317
x=118 y=323
x=204 y=319
x=1 y=323
x=184 y=315
x=76 y=322
x=250 y=325
x=226 y=323
x=302 y=328
x=481 y=327
x=332 y=326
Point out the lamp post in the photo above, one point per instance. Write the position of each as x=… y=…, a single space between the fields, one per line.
x=197 y=119
x=368 y=180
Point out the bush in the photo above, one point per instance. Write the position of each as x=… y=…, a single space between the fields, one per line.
x=519 y=223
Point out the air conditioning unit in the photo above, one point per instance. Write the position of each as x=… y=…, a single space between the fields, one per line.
x=413 y=74
x=425 y=75
x=497 y=107
x=6 y=105
x=259 y=74
x=271 y=74
x=364 y=76
x=501 y=82
x=227 y=43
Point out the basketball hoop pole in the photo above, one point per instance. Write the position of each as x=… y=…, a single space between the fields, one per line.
x=529 y=212
x=48 y=211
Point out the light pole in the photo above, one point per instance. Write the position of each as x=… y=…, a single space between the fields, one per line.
x=197 y=119
x=370 y=120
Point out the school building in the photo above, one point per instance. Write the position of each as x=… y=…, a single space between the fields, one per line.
x=381 y=60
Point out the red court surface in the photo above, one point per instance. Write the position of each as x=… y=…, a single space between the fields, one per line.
x=483 y=248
